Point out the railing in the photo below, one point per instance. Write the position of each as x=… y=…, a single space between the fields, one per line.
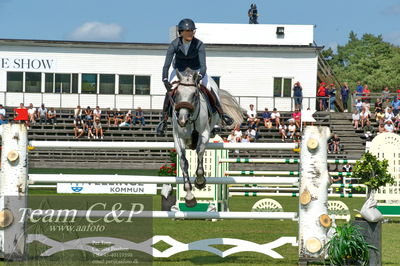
x=155 y=101
x=372 y=98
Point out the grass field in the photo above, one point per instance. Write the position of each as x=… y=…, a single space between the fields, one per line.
x=259 y=231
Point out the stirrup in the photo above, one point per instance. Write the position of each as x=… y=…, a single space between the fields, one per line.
x=227 y=119
x=161 y=127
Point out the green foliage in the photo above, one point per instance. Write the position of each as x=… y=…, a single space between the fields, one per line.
x=347 y=245
x=169 y=169
x=368 y=59
x=372 y=172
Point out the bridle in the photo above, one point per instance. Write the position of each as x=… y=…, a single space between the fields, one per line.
x=194 y=109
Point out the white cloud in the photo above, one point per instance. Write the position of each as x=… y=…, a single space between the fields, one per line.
x=97 y=31
x=393 y=37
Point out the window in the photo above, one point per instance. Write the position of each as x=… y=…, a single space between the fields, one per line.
x=48 y=82
x=74 y=83
x=63 y=83
x=125 y=84
x=216 y=79
x=33 y=82
x=142 y=85
x=15 y=81
x=107 y=83
x=89 y=83
x=282 y=87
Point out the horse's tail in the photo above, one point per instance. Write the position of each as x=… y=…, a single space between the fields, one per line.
x=231 y=107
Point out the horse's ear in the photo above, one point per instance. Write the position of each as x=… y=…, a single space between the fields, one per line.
x=179 y=75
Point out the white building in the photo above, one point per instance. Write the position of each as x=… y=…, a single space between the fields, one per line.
x=257 y=63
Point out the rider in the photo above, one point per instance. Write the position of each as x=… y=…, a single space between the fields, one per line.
x=187 y=51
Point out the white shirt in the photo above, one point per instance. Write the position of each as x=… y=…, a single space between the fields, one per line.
x=78 y=112
x=292 y=128
x=231 y=138
x=275 y=115
x=389 y=116
x=97 y=112
x=356 y=116
x=251 y=113
x=3 y=112
x=31 y=111
x=238 y=133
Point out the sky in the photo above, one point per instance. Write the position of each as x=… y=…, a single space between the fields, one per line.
x=149 y=21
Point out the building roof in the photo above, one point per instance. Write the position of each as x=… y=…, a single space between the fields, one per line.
x=148 y=46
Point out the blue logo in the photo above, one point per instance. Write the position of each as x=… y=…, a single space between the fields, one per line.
x=76 y=188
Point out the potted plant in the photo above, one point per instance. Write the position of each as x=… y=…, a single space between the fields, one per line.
x=372 y=172
x=348 y=246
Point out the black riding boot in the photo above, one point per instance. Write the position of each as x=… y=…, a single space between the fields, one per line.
x=224 y=117
x=162 y=126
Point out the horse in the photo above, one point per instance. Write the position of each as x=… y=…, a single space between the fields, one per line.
x=193 y=124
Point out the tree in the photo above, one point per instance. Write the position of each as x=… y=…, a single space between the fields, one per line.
x=368 y=59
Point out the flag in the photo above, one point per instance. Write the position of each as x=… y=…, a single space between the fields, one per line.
x=22 y=114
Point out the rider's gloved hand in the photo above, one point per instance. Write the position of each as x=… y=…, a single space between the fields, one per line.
x=198 y=81
x=167 y=85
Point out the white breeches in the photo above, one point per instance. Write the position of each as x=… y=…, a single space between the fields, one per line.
x=208 y=82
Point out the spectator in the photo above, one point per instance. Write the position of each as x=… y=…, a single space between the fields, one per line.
x=98 y=128
x=396 y=105
x=231 y=138
x=389 y=126
x=366 y=94
x=298 y=95
x=32 y=114
x=127 y=120
x=321 y=94
x=332 y=97
x=276 y=118
x=297 y=138
x=119 y=116
x=397 y=122
x=52 y=116
x=246 y=139
x=386 y=105
x=78 y=128
x=139 y=116
x=381 y=128
x=297 y=118
x=389 y=115
x=347 y=168
x=267 y=119
x=252 y=119
x=42 y=114
x=291 y=129
x=364 y=117
x=385 y=93
x=3 y=119
x=336 y=144
x=78 y=112
x=238 y=134
x=112 y=115
x=253 y=14
x=345 y=95
x=89 y=128
x=97 y=112
x=358 y=105
x=307 y=116
x=380 y=117
x=398 y=93
x=252 y=133
x=88 y=114
x=359 y=89
x=368 y=131
x=26 y=122
x=378 y=105
x=282 y=131
x=356 y=119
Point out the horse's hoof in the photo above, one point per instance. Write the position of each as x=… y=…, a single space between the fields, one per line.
x=191 y=203
x=200 y=182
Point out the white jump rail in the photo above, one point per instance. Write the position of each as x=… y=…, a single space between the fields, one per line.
x=283 y=160
x=75 y=178
x=170 y=214
x=78 y=145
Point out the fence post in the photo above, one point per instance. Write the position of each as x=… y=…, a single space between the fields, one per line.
x=13 y=188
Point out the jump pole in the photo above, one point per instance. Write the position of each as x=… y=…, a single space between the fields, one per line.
x=71 y=178
x=78 y=145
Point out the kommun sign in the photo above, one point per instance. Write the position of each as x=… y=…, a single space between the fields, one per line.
x=107 y=188
x=27 y=64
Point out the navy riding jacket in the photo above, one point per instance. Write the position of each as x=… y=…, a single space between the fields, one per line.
x=195 y=58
